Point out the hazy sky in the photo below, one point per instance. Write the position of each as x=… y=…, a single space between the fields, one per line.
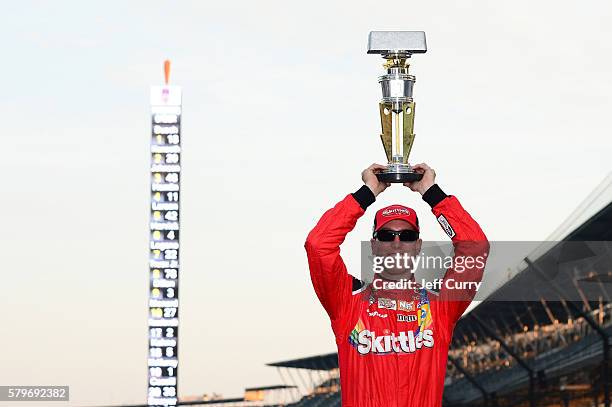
x=280 y=116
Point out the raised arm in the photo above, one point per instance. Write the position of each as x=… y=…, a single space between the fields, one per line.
x=331 y=281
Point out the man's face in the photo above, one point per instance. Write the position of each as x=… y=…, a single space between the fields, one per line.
x=396 y=246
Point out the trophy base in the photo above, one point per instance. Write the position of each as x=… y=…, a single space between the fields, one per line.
x=398 y=177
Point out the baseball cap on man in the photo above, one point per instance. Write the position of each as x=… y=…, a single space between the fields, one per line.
x=393 y=212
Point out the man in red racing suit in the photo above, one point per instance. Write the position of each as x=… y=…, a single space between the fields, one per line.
x=392 y=345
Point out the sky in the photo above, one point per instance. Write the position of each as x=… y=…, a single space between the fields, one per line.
x=280 y=116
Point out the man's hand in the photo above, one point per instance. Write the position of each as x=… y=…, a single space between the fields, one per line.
x=429 y=178
x=369 y=178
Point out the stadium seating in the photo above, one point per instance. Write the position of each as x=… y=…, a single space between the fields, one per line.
x=319 y=400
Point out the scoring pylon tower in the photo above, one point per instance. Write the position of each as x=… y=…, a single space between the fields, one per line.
x=164 y=243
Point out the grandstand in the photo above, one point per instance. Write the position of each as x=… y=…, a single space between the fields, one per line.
x=318 y=376
x=551 y=347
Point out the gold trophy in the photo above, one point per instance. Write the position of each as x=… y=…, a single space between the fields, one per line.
x=397 y=106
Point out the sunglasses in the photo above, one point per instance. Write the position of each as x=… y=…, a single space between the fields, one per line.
x=386 y=235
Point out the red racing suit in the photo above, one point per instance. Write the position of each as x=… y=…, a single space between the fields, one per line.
x=392 y=352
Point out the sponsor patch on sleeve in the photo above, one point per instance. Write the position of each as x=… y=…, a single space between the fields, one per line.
x=446 y=226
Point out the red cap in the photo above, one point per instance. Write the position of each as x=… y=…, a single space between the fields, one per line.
x=393 y=212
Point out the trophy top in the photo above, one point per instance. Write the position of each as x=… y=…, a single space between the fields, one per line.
x=396 y=43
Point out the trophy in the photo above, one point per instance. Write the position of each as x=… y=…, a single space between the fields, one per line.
x=397 y=106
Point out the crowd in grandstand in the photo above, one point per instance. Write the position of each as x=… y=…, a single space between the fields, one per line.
x=478 y=357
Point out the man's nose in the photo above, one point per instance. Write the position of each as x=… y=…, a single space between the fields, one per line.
x=396 y=241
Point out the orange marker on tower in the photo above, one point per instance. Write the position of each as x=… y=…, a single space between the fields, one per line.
x=167 y=70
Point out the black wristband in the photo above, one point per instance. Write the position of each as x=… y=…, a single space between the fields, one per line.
x=434 y=195
x=364 y=197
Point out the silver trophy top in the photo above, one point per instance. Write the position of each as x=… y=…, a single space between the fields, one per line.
x=396 y=43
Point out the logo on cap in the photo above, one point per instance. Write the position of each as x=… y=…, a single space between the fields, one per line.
x=395 y=211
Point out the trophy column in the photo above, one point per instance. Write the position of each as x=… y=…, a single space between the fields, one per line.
x=397 y=106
